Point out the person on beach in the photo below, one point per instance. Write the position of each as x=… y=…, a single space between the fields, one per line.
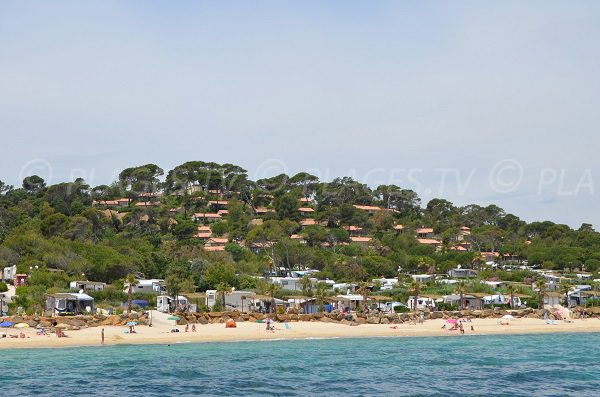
x=193 y=327
x=187 y=328
x=102 y=336
x=462 y=329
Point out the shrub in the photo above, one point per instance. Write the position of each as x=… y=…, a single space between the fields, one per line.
x=401 y=309
x=3 y=287
x=442 y=306
x=594 y=302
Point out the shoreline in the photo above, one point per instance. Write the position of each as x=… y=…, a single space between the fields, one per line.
x=255 y=332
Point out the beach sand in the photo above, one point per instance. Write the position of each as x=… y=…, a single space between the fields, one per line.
x=160 y=333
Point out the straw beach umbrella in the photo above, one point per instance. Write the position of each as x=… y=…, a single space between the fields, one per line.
x=22 y=325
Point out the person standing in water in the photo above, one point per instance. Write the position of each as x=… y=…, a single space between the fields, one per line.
x=102 y=336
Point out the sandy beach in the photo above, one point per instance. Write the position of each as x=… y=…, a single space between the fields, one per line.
x=245 y=331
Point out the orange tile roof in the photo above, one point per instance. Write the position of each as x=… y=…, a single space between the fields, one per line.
x=204 y=235
x=457 y=248
x=218 y=240
x=147 y=204
x=107 y=202
x=296 y=237
x=425 y=230
x=308 y=222
x=223 y=212
x=353 y=228
x=204 y=228
x=429 y=241
x=368 y=207
x=207 y=215
x=399 y=227
x=218 y=202
x=215 y=248
x=306 y=209
x=360 y=239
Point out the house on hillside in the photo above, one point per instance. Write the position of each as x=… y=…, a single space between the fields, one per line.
x=9 y=273
x=263 y=211
x=206 y=217
x=400 y=229
x=217 y=205
x=21 y=279
x=429 y=241
x=306 y=211
x=355 y=231
x=307 y=222
x=425 y=233
x=363 y=242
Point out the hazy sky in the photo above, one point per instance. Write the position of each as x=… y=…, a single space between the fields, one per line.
x=476 y=102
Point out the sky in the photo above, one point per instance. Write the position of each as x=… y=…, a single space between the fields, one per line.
x=472 y=101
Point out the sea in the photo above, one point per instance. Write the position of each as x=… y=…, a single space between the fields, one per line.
x=474 y=365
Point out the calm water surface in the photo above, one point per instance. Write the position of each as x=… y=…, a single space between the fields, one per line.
x=517 y=365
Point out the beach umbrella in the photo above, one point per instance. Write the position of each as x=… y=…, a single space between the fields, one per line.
x=508 y=317
x=6 y=324
x=22 y=325
x=175 y=319
x=452 y=321
x=131 y=323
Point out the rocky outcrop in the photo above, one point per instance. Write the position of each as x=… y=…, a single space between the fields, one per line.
x=79 y=322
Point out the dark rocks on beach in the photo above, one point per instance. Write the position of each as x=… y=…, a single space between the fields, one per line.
x=436 y=315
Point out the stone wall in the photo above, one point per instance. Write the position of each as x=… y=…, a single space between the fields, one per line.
x=83 y=321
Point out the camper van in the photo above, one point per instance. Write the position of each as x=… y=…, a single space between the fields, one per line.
x=235 y=300
x=166 y=304
x=423 y=302
x=502 y=300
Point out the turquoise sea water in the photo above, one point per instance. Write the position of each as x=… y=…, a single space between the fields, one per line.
x=516 y=365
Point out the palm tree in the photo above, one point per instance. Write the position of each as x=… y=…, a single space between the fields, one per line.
x=511 y=289
x=272 y=290
x=321 y=293
x=130 y=280
x=224 y=289
x=306 y=284
x=415 y=287
x=364 y=289
x=565 y=288
x=461 y=289
x=542 y=289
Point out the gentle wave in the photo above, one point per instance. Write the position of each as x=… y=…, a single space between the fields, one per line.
x=506 y=365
